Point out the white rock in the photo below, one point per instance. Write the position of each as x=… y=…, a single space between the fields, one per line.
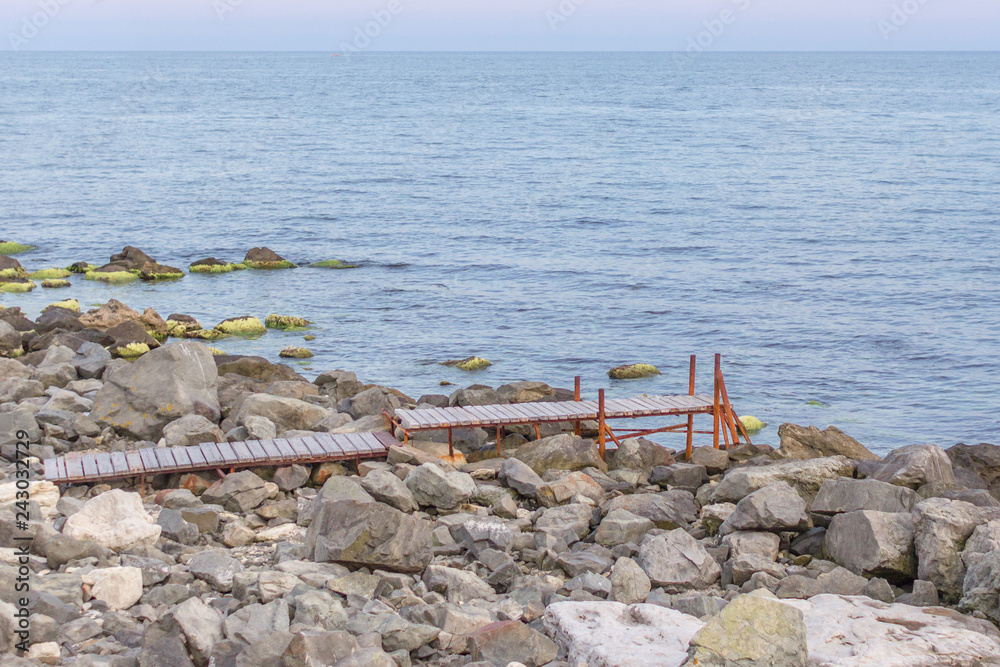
x=280 y=533
x=46 y=653
x=45 y=493
x=611 y=634
x=115 y=519
x=117 y=587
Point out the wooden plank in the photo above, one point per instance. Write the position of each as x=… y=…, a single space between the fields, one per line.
x=648 y=408
x=134 y=461
x=197 y=456
x=51 y=469
x=119 y=463
x=228 y=455
x=242 y=452
x=452 y=417
x=256 y=451
x=386 y=439
x=539 y=411
x=270 y=450
x=315 y=451
x=287 y=453
x=149 y=460
x=300 y=448
x=484 y=417
x=74 y=467
x=89 y=465
x=104 y=466
x=495 y=417
x=181 y=457
x=61 y=467
x=413 y=418
x=165 y=458
x=329 y=444
x=211 y=453
x=361 y=445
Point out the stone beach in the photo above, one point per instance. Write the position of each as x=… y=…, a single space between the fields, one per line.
x=813 y=551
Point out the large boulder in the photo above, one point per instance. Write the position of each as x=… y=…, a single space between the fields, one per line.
x=192 y=430
x=567 y=522
x=675 y=561
x=774 y=508
x=237 y=492
x=667 y=510
x=622 y=527
x=640 y=454
x=981 y=586
x=507 y=642
x=751 y=630
x=805 y=476
x=434 y=485
x=369 y=534
x=942 y=529
x=256 y=368
x=390 y=489
x=519 y=476
x=373 y=402
x=115 y=519
x=526 y=392
x=560 y=452
x=914 y=466
x=612 y=634
x=114 y=313
x=808 y=442
x=117 y=587
x=160 y=387
x=287 y=414
x=874 y=544
x=979 y=464
x=838 y=496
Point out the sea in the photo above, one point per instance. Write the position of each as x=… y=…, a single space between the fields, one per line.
x=828 y=222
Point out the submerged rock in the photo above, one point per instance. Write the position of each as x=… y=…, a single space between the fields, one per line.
x=333 y=264
x=286 y=322
x=293 y=352
x=213 y=265
x=469 y=363
x=633 y=371
x=265 y=258
x=242 y=326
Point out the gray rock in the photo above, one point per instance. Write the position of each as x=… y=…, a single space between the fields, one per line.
x=385 y=487
x=622 y=527
x=256 y=428
x=176 y=528
x=924 y=595
x=254 y=621
x=629 y=583
x=287 y=414
x=163 y=385
x=216 y=569
x=153 y=570
x=879 y=589
x=776 y=508
x=335 y=488
x=319 y=609
x=675 y=561
x=687 y=476
x=519 y=476
x=568 y=522
x=799 y=442
x=914 y=466
x=18 y=420
x=165 y=651
x=806 y=477
x=458 y=586
x=743 y=543
x=238 y=492
x=842 y=495
x=875 y=544
x=90 y=360
x=667 y=510
x=435 y=486
x=942 y=528
x=206 y=517
x=371 y=402
x=715 y=460
x=575 y=563
x=560 y=452
x=741 y=569
x=16 y=389
x=311 y=648
x=479 y=533
x=192 y=430
x=981 y=586
x=291 y=477
x=640 y=454
x=508 y=642
x=369 y=534
x=699 y=606
x=202 y=627
x=10 y=340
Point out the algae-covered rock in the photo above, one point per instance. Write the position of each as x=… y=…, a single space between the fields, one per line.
x=11 y=269
x=216 y=352
x=178 y=324
x=205 y=334
x=154 y=271
x=286 y=322
x=309 y=337
x=132 y=350
x=333 y=264
x=68 y=304
x=14 y=248
x=633 y=371
x=53 y=283
x=751 y=630
x=469 y=363
x=132 y=258
x=213 y=265
x=81 y=267
x=242 y=326
x=752 y=424
x=265 y=258
x=46 y=274
x=295 y=353
x=17 y=285
x=114 y=274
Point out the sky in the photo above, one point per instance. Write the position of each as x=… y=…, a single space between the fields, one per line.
x=500 y=25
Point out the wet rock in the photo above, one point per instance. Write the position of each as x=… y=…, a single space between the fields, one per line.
x=160 y=387
x=675 y=561
x=752 y=630
x=114 y=519
x=369 y=534
x=878 y=544
x=801 y=442
x=560 y=452
x=914 y=466
x=806 y=477
x=504 y=642
x=435 y=486
x=776 y=508
x=667 y=510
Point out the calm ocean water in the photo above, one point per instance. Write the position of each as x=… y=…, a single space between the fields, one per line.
x=828 y=222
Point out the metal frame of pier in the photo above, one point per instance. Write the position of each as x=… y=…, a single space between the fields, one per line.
x=726 y=424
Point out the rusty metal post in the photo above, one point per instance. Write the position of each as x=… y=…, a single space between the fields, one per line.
x=577 y=427
x=715 y=405
x=498 y=440
x=538 y=432
x=690 y=431
x=600 y=421
x=451 y=445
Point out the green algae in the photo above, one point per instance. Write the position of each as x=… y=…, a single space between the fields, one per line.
x=333 y=264
x=14 y=273
x=309 y=337
x=269 y=266
x=56 y=283
x=286 y=322
x=18 y=286
x=132 y=350
x=215 y=268
x=68 y=304
x=633 y=371
x=111 y=277
x=82 y=267
x=295 y=353
x=216 y=351
x=205 y=334
x=13 y=248
x=46 y=274
x=469 y=363
x=752 y=424
x=242 y=326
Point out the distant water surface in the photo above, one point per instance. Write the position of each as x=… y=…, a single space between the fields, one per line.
x=830 y=223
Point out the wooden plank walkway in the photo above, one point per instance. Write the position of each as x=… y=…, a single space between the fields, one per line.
x=561 y=411
x=98 y=466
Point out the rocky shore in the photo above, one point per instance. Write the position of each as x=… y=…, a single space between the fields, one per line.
x=813 y=552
